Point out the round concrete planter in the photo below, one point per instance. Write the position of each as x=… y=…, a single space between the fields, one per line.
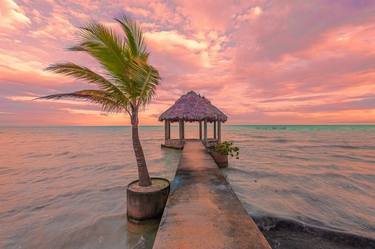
x=147 y=203
x=221 y=160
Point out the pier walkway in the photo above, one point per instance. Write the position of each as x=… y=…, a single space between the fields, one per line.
x=202 y=211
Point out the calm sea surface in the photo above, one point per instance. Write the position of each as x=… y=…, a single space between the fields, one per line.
x=65 y=187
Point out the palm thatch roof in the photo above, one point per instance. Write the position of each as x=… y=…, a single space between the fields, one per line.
x=193 y=107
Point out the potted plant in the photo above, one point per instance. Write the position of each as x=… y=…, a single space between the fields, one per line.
x=221 y=151
x=128 y=84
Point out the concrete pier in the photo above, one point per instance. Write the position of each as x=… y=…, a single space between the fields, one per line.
x=203 y=212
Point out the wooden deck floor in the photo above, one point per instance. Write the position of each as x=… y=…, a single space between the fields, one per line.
x=202 y=211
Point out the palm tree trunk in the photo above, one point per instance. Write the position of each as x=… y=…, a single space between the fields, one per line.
x=144 y=178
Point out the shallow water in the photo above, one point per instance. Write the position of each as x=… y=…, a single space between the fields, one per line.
x=64 y=187
x=316 y=177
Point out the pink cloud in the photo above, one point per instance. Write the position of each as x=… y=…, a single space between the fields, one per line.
x=12 y=16
x=260 y=61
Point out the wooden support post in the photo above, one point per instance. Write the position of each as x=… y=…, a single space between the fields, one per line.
x=200 y=130
x=215 y=130
x=181 y=129
x=166 y=130
x=218 y=131
x=169 y=130
x=205 y=131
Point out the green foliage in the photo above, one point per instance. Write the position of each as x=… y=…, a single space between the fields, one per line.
x=227 y=148
x=128 y=81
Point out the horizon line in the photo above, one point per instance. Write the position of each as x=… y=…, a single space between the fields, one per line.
x=161 y=125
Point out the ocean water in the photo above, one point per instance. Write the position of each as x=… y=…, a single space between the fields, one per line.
x=304 y=182
x=65 y=187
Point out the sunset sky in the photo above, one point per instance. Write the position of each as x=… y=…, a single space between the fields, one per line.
x=261 y=62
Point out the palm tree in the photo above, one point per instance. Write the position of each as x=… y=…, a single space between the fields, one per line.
x=128 y=82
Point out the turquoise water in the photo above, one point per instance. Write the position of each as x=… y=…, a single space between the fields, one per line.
x=64 y=187
x=307 y=127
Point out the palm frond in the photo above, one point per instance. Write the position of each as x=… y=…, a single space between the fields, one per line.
x=84 y=73
x=129 y=82
x=146 y=78
x=94 y=96
x=134 y=37
x=106 y=47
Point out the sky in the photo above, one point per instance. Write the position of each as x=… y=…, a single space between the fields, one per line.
x=260 y=62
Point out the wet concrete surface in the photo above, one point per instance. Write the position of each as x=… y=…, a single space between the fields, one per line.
x=203 y=211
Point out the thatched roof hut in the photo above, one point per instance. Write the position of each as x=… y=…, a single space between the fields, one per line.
x=193 y=107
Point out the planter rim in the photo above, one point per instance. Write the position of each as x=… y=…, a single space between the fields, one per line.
x=151 y=191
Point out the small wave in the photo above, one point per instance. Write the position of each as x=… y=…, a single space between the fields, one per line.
x=354 y=158
x=266 y=127
x=353 y=147
x=367 y=177
x=34 y=155
x=80 y=155
x=340 y=146
x=47 y=202
x=105 y=168
x=257 y=136
x=40 y=207
x=242 y=141
x=280 y=140
x=113 y=188
x=291 y=228
x=295 y=157
x=6 y=171
x=62 y=153
x=254 y=174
